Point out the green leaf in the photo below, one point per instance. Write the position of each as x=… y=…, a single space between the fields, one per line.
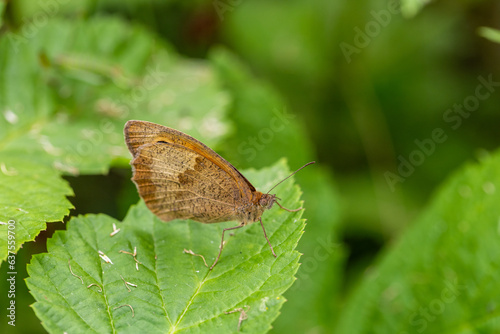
x=70 y=90
x=66 y=91
x=29 y=197
x=175 y=291
x=442 y=276
x=490 y=33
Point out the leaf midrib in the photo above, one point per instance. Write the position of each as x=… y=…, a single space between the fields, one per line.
x=188 y=305
x=203 y=281
x=179 y=319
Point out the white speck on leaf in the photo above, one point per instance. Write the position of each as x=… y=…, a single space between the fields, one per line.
x=48 y=147
x=66 y=168
x=263 y=306
x=105 y=257
x=8 y=172
x=10 y=116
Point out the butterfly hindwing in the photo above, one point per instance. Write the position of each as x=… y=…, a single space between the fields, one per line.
x=178 y=183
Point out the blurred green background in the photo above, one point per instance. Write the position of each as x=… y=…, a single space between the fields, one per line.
x=356 y=86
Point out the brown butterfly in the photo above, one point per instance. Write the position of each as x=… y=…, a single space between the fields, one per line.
x=178 y=177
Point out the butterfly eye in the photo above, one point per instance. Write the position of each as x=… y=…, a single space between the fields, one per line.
x=267 y=201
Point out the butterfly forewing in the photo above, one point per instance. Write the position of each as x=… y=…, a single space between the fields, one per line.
x=177 y=181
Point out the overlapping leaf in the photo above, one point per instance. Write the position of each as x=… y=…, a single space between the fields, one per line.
x=442 y=277
x=29 y=197
x=175 y=292
x=67 y=89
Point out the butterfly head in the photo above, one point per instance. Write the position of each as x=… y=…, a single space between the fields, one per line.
x=266 y=201
x=260 y=203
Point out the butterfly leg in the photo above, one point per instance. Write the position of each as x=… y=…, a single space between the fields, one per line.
x=222 y=243
x=265 y=235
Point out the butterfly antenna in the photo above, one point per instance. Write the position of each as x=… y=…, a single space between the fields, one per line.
x=277 y=184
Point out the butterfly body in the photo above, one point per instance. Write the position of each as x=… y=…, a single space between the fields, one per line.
x=253 y=211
